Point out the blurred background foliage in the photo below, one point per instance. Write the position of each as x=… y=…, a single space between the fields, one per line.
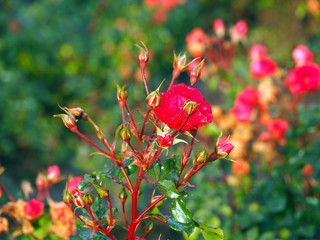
x=71 y=52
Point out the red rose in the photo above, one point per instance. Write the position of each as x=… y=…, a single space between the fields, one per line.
x=73 y=184
x=33 y=209
x=277 y=129
x=170 y=110
x=307 y=170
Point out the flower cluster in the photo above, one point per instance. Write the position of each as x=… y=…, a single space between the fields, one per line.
x=305 y=77
x=171 y=117
x=217 y=49
x=25 y=215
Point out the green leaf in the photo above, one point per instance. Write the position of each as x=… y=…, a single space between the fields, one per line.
x=169 y=170
x=79 y=224
x=187 y=228
x=168 y=188
x=210 y=233
x=180 y=212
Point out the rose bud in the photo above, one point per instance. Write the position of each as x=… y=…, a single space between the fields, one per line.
x=122 y=95
x=153 y=99
x=123 y=196
x=257 y=51
x=155 y=198
x=302 y=55
x=307 y=170
x=67 y=198
x=224 y=148
x=73 y=184
x=88 y=200
x=180 y=62
x=79 y=200
x=189 y=107
x=201 y=157
x=143 y=55
x=33 y=209
x=165 y=141
x=149 y=227
x=41 y=182
x=125 y=133
x=68 y=122
x=218 y=27
x=239 y=30
x=103 y=193
x=53 y=174
x=196 y=71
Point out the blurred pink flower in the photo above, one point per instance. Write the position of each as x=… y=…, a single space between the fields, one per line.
x=53 y=174
x=196 y=42
x=302 y=55
x=263 y=67
x=302 y=79
x=257 y=51
x=239 y=30
x=33 y=209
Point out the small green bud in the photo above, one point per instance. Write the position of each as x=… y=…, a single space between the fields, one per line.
x=68 y=122
x=189 y=107
x=88 y=200
x=103 y=193
x=125 y=133
x=180 y=62
x=201 y=157
x=123 y=196
x=149 y=227
x=66 y=196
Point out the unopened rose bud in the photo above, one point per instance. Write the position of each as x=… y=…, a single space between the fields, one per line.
x=125 y=133
x=122 y=95
x=53 y=174
x=153 y=99
x=196 y=73
x=189 y=107
x=77 y=113
x=218 y=27
x=41 y=182
x=165 y=141
x=239 y=30
x=67 y=198
x=149 y=227
x=155 y=198
x=88 y=200
x=224 y=148
x=180 y=62
x=143 y=55
x=103 y=193
x=68 y=122
x=201 y=157
x=123 y=196
x=78 y=200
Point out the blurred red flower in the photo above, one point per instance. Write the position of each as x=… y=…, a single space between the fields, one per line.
x=33 y=209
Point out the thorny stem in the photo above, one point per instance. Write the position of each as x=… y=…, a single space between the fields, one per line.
x=144 y=123
x=144 y=78
x=125 y=215
x=175 y=74
x=111 y=217
x=135 y=127
x=105 y=141
x=94 y=145
x=7 y=192
x=127 y=178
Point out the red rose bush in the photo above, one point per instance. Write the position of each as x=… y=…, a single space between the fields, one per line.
x=171 y=117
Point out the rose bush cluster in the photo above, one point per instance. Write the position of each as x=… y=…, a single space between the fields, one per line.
x=20 y=218
x=175 y=116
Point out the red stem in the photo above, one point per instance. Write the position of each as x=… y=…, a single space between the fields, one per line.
x=144 y=123
x=7 y=192
x=94 y=145
x=111 y=217
x=125 y=215
x=144 y=78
